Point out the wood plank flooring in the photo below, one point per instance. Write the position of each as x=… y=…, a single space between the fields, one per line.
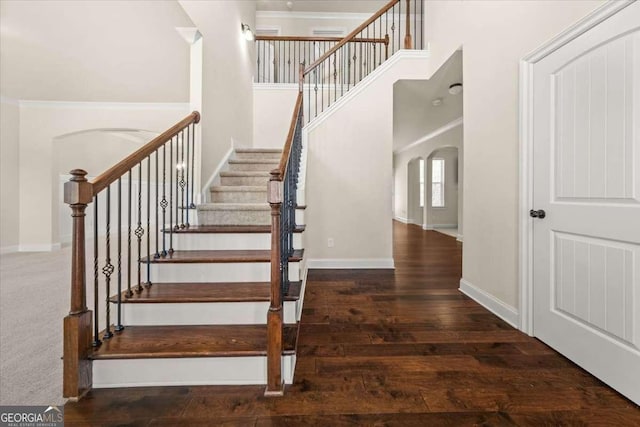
x=390 y=348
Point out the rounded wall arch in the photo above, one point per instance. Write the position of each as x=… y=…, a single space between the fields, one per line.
x=449 y=215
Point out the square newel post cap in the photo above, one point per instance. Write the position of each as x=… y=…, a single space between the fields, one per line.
x=78 y=191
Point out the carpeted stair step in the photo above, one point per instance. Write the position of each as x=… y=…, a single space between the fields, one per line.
x=258 y=153
x=258 y=165
x=234 y=214
x=244 y=178
x=239 y=194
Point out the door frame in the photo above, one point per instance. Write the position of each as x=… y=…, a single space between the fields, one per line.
x=526 y=120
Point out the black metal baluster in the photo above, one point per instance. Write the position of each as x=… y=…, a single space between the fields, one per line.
x=139 y=230
x=393 y=29
x=96 y=288
x=415 y=25
x=157 y=254
x=182 y=182
x=108 y=268
x=119 y=326
x=177 y=186
x=129 y=293
x=315 y=74
x=149 y=220
x=193 y=162
x=335 y=76
x=289 y=63
x=171 y=195
x=163 y=202
x=187 y=205
x=322 y=82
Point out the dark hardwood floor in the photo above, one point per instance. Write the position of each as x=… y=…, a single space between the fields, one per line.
x=390 y=348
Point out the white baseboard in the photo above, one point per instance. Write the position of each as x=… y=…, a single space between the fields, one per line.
x=355 y=263
x=43 y=247
x=401 y=219
x=9 y=249
x=504 y=311
x=205 y=190
x=434 y=226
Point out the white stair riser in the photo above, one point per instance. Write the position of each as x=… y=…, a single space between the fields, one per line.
x=218 y=272
x=252 y=167
x=224 y=241
x=300 y=217
x=244 y=180
x=239 y=196
x=186 y=371
x=234 y=217
x=218 y=313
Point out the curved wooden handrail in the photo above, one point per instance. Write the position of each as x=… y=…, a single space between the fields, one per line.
x=352 y=35
x=319 y=39
x=112 y=174
x=277 y=174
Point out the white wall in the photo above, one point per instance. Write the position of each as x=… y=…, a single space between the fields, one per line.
x=415 y=212
x=494 y=35
x=292 y=25
x=447 y=215
x=40 y=123
x=227 y=86
x=272 y=111
x=349 y=171
x=117 y=51
x=450 y=138
x=9 y=176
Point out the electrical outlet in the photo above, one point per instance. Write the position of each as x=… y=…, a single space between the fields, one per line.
x=330 y=242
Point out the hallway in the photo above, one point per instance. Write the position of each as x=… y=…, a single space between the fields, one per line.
x=383 y=347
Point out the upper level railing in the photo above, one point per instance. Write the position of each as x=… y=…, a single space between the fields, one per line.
x=338 y=69
x=278 y=57
x=136 y=205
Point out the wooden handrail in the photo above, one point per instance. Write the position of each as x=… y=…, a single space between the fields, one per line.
x=318 y=39
x=112 y=174
x=351 y=35
x=277 y=174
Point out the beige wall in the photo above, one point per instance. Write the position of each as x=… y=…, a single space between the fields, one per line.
x=9 y=178
x=227 y=77
x=349 y=171
x=494 y=36
x=40 y=123
x=272 y=112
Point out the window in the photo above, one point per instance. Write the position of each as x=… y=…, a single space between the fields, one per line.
x=437 y=183
x=421 y=161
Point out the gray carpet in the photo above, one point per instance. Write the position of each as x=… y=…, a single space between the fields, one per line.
x=34 y=298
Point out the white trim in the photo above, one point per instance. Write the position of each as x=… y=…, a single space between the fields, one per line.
x=428 y=137
x=8 y=100
x=460 y=238
x=205 y=190
x=504 y=311
x=432 y=226
x=364 y=83
x=108 y=105
x=525 y=223
x=275 y=86
x=9 y=249
x=353 y=263
x=268 y=30
x=312 y=15
x=42 y=247
x=401 y=219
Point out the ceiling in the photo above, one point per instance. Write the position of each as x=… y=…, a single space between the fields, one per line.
x=414 y=115
x=334 y=6
x=101 y=51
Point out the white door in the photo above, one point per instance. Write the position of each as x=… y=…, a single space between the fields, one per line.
x=587 y=180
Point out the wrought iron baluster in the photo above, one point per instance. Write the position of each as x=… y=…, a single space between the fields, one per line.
x=139 y=230
x=157 y=254
x=171 y=195
x=187 y=205
x=193 y=162
x=182 y=182
x=129 y=292
x=149 y=220
x=163 y=202
x=108 y=268
x=119 y=326
x=96 y=288
x=177 y=186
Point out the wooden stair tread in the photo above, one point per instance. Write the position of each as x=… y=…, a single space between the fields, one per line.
x=220 y=229
x=138 y=342
x=207 y=292
x=220 y=256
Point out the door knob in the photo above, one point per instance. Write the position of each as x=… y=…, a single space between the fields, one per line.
x=537 y=214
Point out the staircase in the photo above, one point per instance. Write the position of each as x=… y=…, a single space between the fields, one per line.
x=203 y=320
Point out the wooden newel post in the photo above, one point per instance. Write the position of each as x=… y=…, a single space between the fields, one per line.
x=77 y=369
x=275 y=384
x=407 y=37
